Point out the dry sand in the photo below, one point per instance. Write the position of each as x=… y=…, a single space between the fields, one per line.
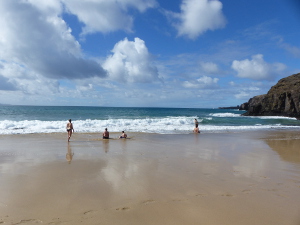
x=225 y=178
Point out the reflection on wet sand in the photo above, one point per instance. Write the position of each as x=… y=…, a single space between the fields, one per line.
x=214 y=178
x=106 y=145
x=288 y=149
x=196 y=138
x=69 y=155
x=124 y=144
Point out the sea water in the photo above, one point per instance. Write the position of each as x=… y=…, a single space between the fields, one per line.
x=53 y=119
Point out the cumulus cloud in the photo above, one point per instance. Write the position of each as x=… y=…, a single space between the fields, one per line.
x=197 y=17
x=106 y=15
x=257 y=68
x=34 y=36
x=203 y=82
x=40 y=58
x=131 y=62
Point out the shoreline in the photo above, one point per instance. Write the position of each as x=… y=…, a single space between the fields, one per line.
x=231 y=178
x=221 y=129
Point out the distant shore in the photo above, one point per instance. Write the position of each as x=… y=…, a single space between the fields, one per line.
x=229 y=107
x=213 y=178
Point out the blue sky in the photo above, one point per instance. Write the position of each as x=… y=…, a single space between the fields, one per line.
x=145 y=53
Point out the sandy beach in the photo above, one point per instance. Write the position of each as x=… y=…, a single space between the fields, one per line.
x=230 y=178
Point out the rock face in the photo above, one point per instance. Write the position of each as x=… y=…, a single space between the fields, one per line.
x=244 y=106
x=283 y=99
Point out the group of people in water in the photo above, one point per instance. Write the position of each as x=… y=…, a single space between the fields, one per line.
x=105 y=135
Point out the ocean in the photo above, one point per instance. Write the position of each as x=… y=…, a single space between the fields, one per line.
x=53 y=119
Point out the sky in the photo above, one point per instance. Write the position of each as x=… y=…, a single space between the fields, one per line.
x=145 y=53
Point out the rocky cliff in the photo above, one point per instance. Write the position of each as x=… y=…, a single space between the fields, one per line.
x=283 y=99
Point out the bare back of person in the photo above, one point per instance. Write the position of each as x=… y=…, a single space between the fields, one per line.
x=105 y=134
x=123 y=135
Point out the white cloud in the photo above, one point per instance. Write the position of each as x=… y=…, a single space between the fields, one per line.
x=203 y=82
x=247 y=91
x=86 y=87
x=35 y=37
x=131 y=62
x=51 y=7
x=39 y=54
x=243 y=95
x=197 y=17
x=232 y=83
x=209 y=67
x=292 y=49
x=295 y=51
x=257 y=68
x=106 y=15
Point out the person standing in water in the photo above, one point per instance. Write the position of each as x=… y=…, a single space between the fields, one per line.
x=196 y=129
x=70 y=129
x=196 y=123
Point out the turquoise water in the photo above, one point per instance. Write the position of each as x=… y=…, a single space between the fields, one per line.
x=48 y=119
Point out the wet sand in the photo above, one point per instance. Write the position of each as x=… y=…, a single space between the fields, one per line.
x=224 y=178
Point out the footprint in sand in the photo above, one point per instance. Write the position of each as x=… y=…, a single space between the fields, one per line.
x=58 y=222
x=148 y=201
x=227 y=195
x=29 y=221
x=123 y=208
x=200 y=195
x=88 y=212
x=179 y=200
x=246 y=191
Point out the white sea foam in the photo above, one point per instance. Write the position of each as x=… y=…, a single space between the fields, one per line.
x=150 y=125
x=114 y=125
x=274 y=117
x=255 y=117
x=225 y=114
x=253 y=127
